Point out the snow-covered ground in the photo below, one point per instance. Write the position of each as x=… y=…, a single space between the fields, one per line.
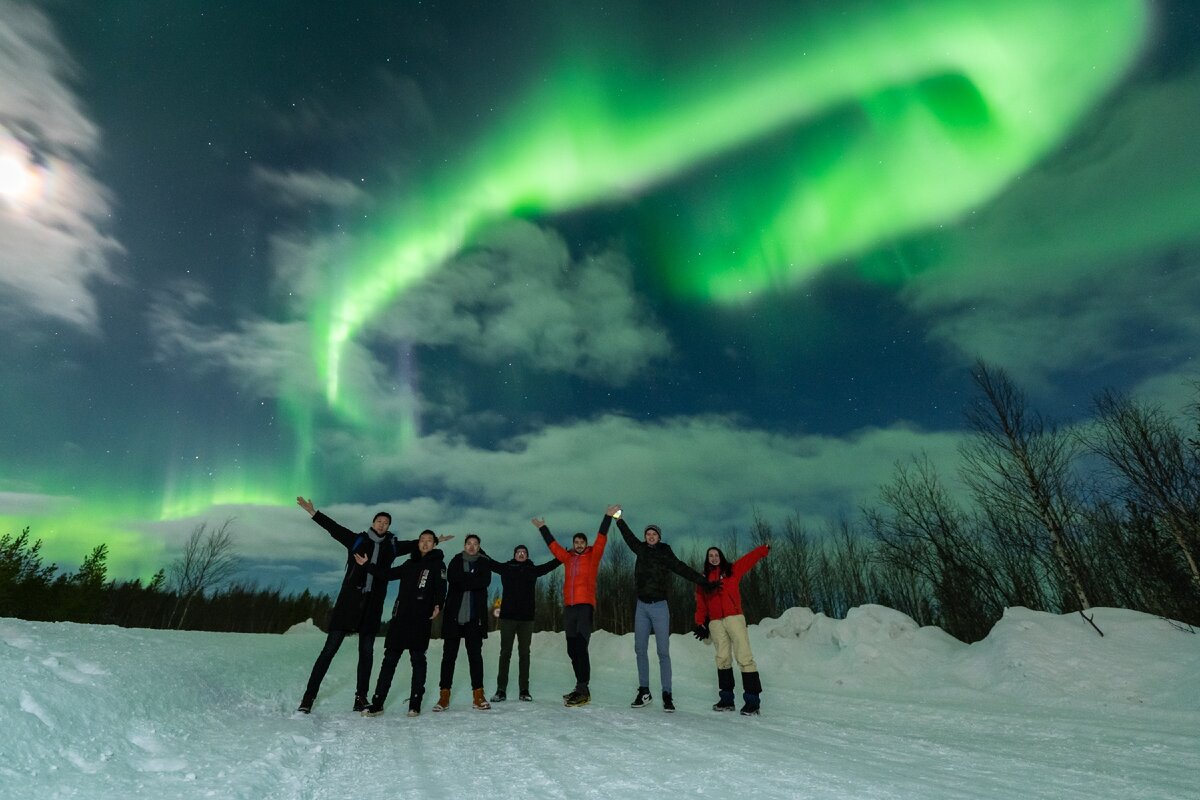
x=867 y=707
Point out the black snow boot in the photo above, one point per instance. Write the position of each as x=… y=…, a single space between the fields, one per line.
x=414 y=705
x=375 y=707
x=360 y=703
x=751 y=689
x=668 y=703
x=725 y=691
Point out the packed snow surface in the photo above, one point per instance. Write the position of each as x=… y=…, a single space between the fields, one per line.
x=872 y=706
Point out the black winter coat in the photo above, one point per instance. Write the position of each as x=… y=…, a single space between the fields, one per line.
x=356 y=610
x=654 y=565
x=422 y=588
x=518 y=579
x=470 y=587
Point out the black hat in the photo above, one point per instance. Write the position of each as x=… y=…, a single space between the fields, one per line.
x=654 y=528
x=520 y=547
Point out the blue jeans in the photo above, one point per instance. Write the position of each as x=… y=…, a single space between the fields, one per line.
x=656 y=617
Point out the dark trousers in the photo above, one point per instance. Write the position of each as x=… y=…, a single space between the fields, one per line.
x=472 y=636
x=577 y=623
x=366 y=652
x=522 y=631
x=391 y=658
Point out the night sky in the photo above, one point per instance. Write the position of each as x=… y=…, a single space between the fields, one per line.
x=472 y=262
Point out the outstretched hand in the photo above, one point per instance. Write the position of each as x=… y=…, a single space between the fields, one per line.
x=538 y=522
x=307 y=505
x=613 y=511
x=700 y=632
x=445 y=537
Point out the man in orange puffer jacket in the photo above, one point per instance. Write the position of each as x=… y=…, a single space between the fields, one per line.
x=582 y=563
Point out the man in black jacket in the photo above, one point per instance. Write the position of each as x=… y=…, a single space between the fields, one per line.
x=465 y=619
x=419 y=600
x=518 y=578
x=359 y=604
x=651 y=574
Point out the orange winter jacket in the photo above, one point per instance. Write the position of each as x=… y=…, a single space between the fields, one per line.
x=726 y=599
x=579 y=580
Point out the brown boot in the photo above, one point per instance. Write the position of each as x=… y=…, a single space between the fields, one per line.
x=443 y=700
x=480 y=702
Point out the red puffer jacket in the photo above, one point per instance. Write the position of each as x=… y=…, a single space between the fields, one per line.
x=726 y=599
x=579 y=582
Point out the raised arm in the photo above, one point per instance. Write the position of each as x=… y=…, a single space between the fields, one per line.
x=547 y=568
x=344 y=535
x=634 y=543
x=557 y=549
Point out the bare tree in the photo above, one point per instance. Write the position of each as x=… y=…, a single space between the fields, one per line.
x=1157 y=466
x=1019 y=466
x=922 y=532
x=208 y=560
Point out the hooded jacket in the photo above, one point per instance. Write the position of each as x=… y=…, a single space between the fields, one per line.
x=726 y=599
x=422 y=587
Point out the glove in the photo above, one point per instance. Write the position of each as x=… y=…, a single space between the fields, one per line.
x=700 y=632
x=710 y=586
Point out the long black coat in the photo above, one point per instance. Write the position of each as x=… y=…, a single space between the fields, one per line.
x=356 y=610
x=422 y=588
x=466 y=587
x=518 y=579
x=653 y=567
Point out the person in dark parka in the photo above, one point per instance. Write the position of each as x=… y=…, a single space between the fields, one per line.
x=465 y=619
x=359 y=605
x=518 y=577
x=652 y=570
x=419 y=599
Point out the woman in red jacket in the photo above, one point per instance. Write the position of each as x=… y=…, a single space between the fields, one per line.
x=719 y=614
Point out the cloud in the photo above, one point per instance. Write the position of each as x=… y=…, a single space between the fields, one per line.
x=1089 y=262
x=520 y=295
x=698 y=477
x=53 y=226
x=300 y=189
x=21 y=504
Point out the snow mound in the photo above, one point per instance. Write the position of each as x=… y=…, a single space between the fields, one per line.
x=305 y=627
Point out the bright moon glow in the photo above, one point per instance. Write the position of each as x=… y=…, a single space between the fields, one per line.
x=901 y=117
x=16 y=178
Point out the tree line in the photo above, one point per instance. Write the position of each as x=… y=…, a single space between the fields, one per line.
x=195 y=592
x=1054 y=518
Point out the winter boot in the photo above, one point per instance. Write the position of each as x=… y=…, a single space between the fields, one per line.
x=577 y=698
x=360 y=703
x=414 y=705
x=751 y=689
x=668 y=703
x=500 y=696
x=643 y=697
x=306 y=703
x=443 y=700
x=526 y=696
x=479 y=702
x=375 y=708
x=725 y=693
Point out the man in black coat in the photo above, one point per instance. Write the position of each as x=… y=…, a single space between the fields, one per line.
x=359 y=605
x=419 y=600
x=465 y=620
x=652 y=570
x=518 y=578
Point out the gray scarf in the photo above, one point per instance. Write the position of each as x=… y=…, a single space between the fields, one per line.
x=378 y=540
x=464 y=608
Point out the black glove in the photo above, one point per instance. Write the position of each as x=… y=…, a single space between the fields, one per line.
x=710 y=586
x=700 y=632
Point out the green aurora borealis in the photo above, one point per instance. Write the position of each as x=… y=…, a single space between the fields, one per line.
x=865 y=145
